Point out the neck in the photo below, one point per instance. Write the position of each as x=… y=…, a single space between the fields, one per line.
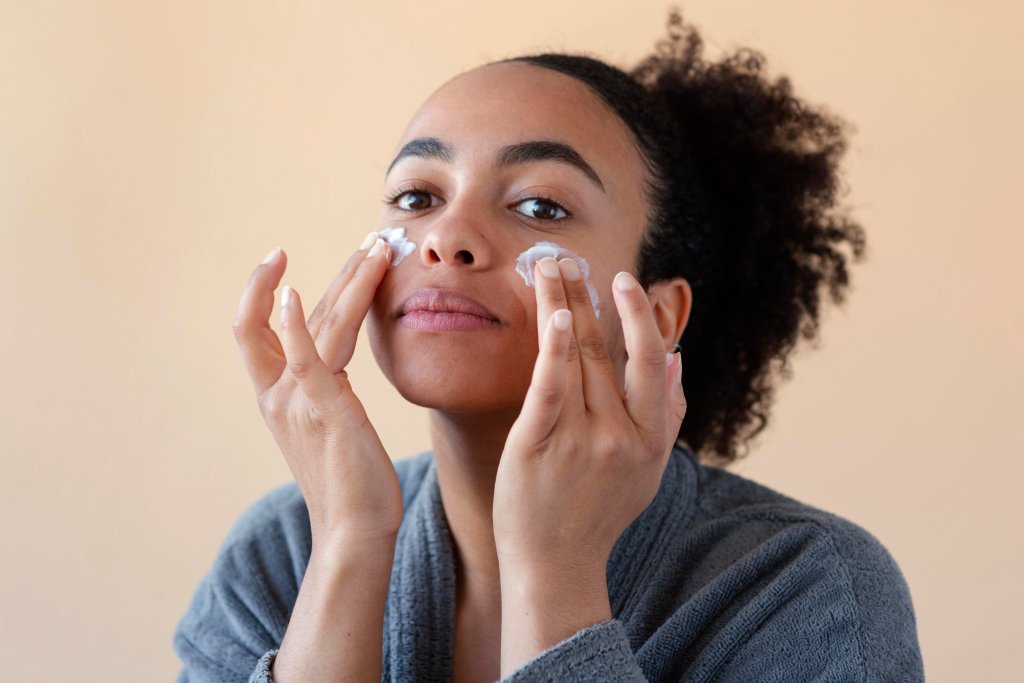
x=467 y=449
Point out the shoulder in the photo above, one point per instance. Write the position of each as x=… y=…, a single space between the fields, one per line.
x=730 y=502
x=806 y=573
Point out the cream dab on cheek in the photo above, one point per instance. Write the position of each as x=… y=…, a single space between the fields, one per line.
x=399 y=243
x=526 y=261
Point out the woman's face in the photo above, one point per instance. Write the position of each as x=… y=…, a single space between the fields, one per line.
x=475 y=196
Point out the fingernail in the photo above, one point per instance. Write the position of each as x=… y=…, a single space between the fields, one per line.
x=548 y=267
x=368 y=242
x=286 y=296
x=562 y=319
x=378 y=247
x=570 y=269
x=625 y=282
x=668 y=358
x=272 y=255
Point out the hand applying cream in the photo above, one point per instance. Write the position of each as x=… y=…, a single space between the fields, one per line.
x=399 y=243
x=526 y=260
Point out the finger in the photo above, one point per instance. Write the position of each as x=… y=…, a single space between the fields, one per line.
x=600 y=384
x=550 y=381
x=340 y=327
x=316 y=381
x=262 y=352
x=675 y=407
x=550 y=294
x=646 y=385
x=551 y=298
x=343 y=277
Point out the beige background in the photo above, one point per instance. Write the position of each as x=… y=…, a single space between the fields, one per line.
x=152 y=153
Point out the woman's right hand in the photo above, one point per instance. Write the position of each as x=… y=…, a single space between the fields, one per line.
x=345 y=475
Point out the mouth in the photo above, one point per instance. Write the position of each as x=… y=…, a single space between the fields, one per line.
x=443 y=310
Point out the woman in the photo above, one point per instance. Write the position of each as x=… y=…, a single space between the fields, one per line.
x=562 y=527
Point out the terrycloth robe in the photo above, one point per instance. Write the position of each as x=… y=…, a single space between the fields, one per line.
x=719 y=579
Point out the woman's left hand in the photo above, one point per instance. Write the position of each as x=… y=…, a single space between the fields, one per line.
x=582 y=461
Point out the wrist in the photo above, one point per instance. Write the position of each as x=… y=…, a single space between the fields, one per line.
x=341 y=601
x=537 y=573
x=540 y=609
x=343 y=553
x=580 y=591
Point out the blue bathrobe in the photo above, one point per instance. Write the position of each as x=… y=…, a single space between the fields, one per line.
x=719 y=579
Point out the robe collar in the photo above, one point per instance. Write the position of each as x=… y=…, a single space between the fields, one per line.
x=419 y=616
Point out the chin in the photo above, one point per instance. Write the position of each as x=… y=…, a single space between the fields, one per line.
x=454 y=379
x=466 y=389
x=458 y=372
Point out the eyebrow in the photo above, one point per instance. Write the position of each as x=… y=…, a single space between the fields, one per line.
x=510 y=155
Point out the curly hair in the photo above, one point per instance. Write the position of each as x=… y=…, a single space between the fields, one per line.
x=743 y=187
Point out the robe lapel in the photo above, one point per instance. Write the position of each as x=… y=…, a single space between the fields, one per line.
x=420 y=611
x=640 y=550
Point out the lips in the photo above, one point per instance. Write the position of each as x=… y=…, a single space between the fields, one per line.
x=433 y=300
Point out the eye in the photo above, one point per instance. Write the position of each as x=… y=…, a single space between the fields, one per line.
x=541 y=208
x=411 y=200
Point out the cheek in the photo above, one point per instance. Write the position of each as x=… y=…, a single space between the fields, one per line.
x=379 y=322
x=376 y=325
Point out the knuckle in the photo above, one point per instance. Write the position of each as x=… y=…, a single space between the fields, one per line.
x=603 y=450
x=339 y=321
x=333 y=321
x=271 y=404
x=653 y=357
x=551 y=293
x=592 y=347
x=244 y=331
x=573 y=353
x=621 y=446
x=548 y=396
x=578 y=294
x=313 y=421
x=653 y=446
x=556 y=301
x=613 y=441
x=300 y=368
x=317 y=313
x=575 y=287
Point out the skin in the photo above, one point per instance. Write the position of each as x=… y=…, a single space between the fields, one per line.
x=548 y=442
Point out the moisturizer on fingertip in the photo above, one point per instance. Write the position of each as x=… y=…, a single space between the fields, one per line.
x=399 y=243
x=526 y=260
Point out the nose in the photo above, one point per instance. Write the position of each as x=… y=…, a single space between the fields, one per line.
x=456 y=239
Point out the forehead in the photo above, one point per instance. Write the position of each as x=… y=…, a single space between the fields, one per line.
x=499 y=104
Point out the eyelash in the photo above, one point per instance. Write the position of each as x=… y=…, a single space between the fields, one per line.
x=392 y=200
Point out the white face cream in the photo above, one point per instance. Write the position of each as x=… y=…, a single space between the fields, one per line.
x=400 y=245
x=526 y=261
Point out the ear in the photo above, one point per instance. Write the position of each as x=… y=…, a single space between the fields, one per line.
x=671 y=301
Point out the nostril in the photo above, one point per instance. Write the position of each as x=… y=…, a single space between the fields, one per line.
x=461 y=256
